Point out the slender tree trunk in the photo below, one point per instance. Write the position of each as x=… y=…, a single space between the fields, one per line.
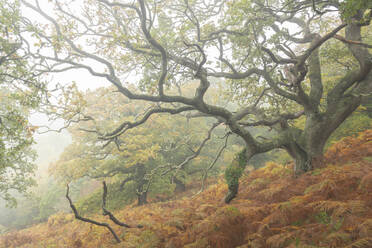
x=180 y=185
x=142 y=199
x=141 y=193
x=141 y=183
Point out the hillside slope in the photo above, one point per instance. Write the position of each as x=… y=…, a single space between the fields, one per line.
x=328 y=207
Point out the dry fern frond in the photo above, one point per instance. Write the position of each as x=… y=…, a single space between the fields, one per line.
x=258 y=184
x=365 y=229
x=280 y=240
x=366 y=183
x=300 y=200
x=351 y=207
x=294 y=245
x=324 y=188
x=268 y=194
x=327 y=206
x=277 y=218
x=351 y=148
x=338 y=239
x=361 y=243
x=255 y=241
x=356 y=207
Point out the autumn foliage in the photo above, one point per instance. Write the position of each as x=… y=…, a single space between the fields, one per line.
x=327 y=207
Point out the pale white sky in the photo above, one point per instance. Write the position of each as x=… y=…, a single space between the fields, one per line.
x=84 y=81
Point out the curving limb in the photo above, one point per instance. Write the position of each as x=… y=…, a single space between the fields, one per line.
x=111 y=216
x=105 y=212
x=77 y=216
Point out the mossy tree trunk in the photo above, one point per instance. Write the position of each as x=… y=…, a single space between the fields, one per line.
x=234 y=171
x=306 y=146
x=141 y=185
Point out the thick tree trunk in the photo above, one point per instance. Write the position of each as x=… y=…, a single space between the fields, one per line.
x=306 y=159
x=306 y=146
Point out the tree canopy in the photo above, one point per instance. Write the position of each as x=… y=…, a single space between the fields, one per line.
x=20 y=92
x=268 y=54
x=157 y=157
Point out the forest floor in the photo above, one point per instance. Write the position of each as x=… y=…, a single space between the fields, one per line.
x=327 y=207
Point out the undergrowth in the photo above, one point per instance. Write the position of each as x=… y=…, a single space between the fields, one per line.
x=328 y=207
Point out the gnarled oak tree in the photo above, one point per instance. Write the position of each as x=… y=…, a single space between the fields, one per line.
x=267 y=52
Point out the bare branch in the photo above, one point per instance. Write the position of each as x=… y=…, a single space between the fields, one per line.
x=318 y=43
x=218 y=155
x=111 y=216
x=128 y=179
x=196 y=153
x=128 y=125
x=278 y=60
x=198 y=71
x=354 y=42
x=77 y=216
x=283 y=117
x=158 y=46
